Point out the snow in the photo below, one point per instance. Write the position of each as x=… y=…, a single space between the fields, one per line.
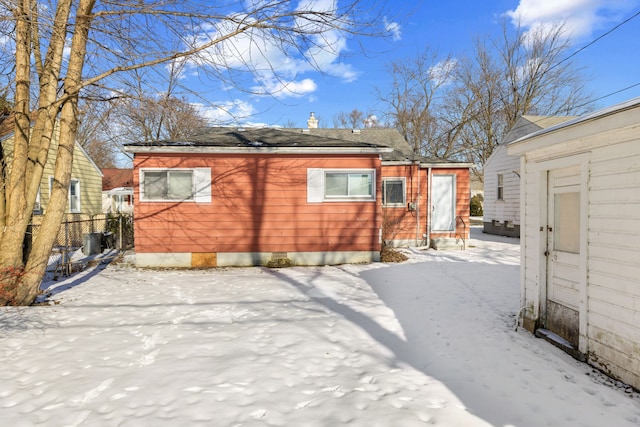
x=431 y=341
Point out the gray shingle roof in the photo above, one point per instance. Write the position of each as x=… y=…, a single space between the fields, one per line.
x=255 y=137
x=381 y=137
x=293 y=138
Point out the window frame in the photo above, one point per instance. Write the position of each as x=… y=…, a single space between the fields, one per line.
x=37 y=207
x=403 y=181
x=500 y=187
x=74 y=182
x=200 y=185
x=347 y=197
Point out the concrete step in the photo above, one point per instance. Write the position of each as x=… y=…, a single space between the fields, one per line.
x=447 y=244
x=559 y=342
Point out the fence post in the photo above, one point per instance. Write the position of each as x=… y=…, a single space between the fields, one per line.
x=27 y=243
x=120 y=234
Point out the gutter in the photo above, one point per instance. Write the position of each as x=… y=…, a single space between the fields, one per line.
x=418 y=206
x=429 y=205
x=191 y=149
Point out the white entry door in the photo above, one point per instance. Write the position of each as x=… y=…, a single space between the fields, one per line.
x=563 y=253
x=443 y=202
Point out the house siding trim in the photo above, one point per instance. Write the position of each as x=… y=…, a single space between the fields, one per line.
x=191 y=149
x=247 y=259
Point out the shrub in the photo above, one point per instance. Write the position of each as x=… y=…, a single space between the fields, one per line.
x=476 y=206
x=9 y=278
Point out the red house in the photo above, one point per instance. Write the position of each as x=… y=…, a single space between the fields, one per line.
x=232 y=197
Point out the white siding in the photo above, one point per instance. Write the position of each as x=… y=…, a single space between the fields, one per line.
x=608 y=147
x=614 y=251
x=531 y=237
x=507 y=209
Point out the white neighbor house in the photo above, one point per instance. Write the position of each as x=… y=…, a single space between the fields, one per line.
x=580 y=236
x=502 y=178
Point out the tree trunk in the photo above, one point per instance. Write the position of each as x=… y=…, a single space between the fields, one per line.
x=20 y=285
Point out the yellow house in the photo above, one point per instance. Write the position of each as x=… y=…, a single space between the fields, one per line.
x=85 y=189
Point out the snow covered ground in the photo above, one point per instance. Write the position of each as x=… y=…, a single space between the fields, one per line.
x=427 y=342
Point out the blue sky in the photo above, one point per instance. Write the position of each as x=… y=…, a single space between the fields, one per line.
x=349 y=80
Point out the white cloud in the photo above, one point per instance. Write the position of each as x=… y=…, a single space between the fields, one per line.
x=442 y=72
x=227 y=112
x=287 y=89
x=272 y=68
x=581 y=17
x=394 y=29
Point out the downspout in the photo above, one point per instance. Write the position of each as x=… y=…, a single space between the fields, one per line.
x=522 y=178
x=428 y=224
x=417 y=166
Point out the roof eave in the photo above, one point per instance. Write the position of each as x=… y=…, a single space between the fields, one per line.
x=425 y=165
x=447 y=165
x=521 y=145
x=190 y=149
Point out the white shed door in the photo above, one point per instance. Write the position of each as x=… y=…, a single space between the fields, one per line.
x=443 y=202
x=563 y=253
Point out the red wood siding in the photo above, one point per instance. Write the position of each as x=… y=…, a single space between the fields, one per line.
x=259 y=204
x=400 y=223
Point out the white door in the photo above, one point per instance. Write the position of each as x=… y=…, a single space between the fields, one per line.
x=443 y=202
x=563 y=253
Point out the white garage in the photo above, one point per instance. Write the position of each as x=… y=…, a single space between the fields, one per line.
x=580 y=236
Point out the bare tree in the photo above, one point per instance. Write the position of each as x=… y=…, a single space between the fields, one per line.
x=519 y=73
x=64 y=47
x=417 y=93
x=94 y=121
x=460 y=109
x=355 y=119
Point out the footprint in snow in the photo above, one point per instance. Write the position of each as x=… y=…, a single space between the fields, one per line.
x=148 y=359
x=150 y=341
x=259 y=413
x=436 y=404
x=93 y=393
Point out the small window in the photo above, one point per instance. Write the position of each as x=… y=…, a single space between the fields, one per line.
x=393 y=192
x=349 y=185
x=37 y=207
x=500 y=187
x=74 y=196
x=566 y=236
x=175 y=184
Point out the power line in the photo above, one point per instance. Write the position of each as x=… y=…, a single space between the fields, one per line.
x=614 y=93
x=594 y=41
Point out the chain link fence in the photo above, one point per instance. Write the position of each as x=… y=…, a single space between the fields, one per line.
x=116 y=231
x=113 y=232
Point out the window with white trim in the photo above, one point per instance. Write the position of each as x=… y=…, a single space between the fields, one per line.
x=500 y=187
x=73 y=195
x=393 y=192
x=330 y=185
x=37 y=207
x=180 y=184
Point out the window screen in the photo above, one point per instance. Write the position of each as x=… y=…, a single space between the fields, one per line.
x=393 y=192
